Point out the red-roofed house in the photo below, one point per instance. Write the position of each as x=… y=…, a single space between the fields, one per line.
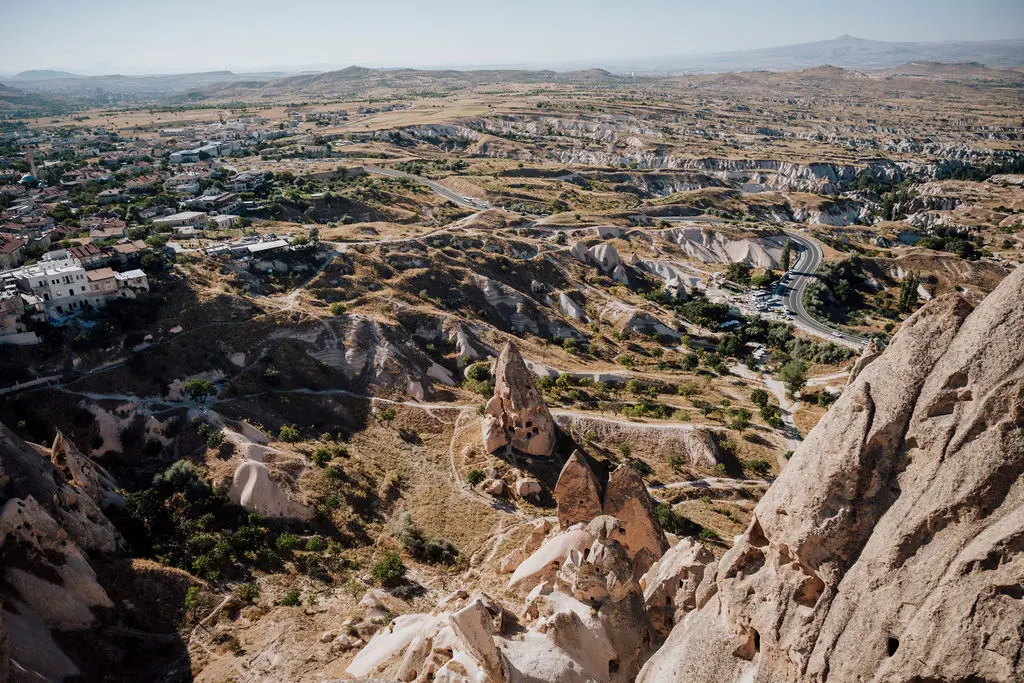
x=87 y=254
x=12 y=251
x=102 y=283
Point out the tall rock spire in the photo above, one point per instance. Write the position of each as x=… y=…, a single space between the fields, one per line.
x=516 y=415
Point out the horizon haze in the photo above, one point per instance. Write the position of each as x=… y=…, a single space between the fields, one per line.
x=122 y=38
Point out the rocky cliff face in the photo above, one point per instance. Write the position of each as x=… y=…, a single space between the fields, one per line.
x=50 y=520
x=892 y=546
x=710 y=246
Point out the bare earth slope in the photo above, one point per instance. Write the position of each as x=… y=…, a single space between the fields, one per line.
x=891 y=546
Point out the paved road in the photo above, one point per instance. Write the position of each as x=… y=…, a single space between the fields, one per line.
x=808 y=261
x=461 y=200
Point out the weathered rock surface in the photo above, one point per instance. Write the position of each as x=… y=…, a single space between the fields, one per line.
x=527 y=487
x=577 y=492
x=48 y=523
x=253 y=488
x=891 y=548
x=670 y=585
x=626 y=498
x=516 y=415
x=585 y=621
x=25 y=473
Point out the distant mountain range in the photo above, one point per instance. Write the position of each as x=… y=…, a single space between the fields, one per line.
x=40 y=75
x=121 y=88
x=358 y=79
x=847 y=52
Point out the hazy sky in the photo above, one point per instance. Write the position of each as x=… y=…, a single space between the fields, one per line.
x=137 y=36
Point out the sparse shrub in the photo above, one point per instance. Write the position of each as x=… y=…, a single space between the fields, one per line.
x=625 y=450
x=687 y=389
x=479 y=372
x=423 y=548
x=387 y=414
x=321 y=456
x=289 y=434
x=641 y=467
x=316 y=544
x=291 y=598
x=287 y=542
x=741 y=420
x=389 y=570
x=759 y=466
x=337 y=308
x=215 y=439
x=826 y=398
x=247 y=592
x=475 y=477
x=170 y=427
x=707 y=535
x=676 y=462
x=675 y=523
x=333 y=473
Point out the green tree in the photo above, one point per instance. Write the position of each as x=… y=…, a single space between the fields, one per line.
x=200 y=389
x=908 y=292
x=738 y=272
x=787 y=252
x=289 y=434
x=793 y=374
x=388 y=571
x=759 y=397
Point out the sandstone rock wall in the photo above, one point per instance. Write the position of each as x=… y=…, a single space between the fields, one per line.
x=891 y=548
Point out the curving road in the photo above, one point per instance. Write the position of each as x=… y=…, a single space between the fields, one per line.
x=461 y=200
x=807 y=263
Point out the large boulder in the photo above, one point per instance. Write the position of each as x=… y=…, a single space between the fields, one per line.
x=626 y=498
x=255 y=490
x=516 y=415
x=890 y=548
x=577 y=492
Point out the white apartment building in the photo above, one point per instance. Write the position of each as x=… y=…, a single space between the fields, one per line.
x=61 y=286
x=65 y=287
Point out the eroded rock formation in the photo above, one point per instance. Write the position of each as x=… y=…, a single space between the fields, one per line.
x=516 y=415
x=50 y=519
x=583 y=619
x=626 y=498
x=577 y=492
x=892 y=545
